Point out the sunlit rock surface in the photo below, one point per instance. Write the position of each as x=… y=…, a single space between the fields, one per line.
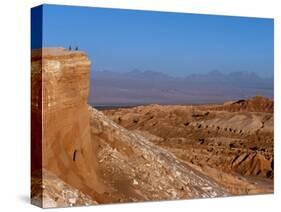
x=60 y=118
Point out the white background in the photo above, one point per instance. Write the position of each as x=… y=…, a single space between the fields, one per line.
x=15 y=95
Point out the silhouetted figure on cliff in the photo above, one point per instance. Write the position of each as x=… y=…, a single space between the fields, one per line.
x=69 y=48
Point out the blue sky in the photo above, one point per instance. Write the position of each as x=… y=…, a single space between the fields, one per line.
x=173 y=43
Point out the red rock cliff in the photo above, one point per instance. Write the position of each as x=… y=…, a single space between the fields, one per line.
x=60 y=117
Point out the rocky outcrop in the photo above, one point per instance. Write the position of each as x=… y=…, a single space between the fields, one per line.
x=253 y=164
x=60 y=118
x=254 y=104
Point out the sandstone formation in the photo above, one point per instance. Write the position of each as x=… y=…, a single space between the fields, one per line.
x=60 y=118
x=234 y=148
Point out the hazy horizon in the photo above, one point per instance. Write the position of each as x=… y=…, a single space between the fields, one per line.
x=149 y=87
x=183 y=76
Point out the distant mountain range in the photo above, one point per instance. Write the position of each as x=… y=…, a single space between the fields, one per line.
x=148 y=87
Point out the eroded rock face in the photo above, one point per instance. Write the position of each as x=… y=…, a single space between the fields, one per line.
x=60 y=87
x=234 y=148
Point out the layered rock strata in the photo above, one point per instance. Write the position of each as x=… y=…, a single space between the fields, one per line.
x=234 y=148
x=61 y=139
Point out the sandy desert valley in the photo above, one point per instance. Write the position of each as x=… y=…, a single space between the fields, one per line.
x=142 y=153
